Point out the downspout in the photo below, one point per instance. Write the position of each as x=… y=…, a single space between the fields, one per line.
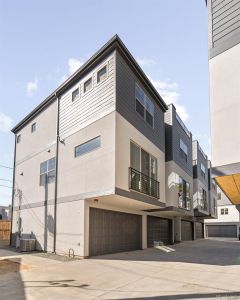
x=13 y=187
x=56 y=176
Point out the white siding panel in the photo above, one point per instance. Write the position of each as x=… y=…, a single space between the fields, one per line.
x=95 y=104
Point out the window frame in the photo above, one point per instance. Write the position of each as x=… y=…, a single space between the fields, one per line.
x=88 y=141
x=47 y=172
x=78 y=97
x=144 y=106
x=90 y=78
x=203 y=171
x=186 y=190
x=33 y=127
x=140 y=162
x=19 y=138
x=182 y=152
x=99 y=69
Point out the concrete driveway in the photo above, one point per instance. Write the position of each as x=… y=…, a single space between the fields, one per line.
x=204 y=269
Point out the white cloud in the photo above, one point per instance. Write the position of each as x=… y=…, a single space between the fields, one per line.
x=74 y=64
x=5 y=122
x=146 y=62
x=32 y=87
x=169 y=91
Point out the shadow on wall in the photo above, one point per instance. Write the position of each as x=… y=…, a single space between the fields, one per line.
x=209 y=252
x=12 y=286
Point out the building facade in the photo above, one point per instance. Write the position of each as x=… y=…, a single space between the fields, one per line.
x=224 y=70
x=91 y=173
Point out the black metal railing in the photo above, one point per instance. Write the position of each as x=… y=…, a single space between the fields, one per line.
x=143 y=184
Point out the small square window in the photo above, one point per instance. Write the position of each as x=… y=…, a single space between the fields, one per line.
x=18 y=138
x=87 y=85
x=102 y=74
x=33 y=127
x=75 y=94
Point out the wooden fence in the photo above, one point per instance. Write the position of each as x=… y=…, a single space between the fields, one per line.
x=5 y=229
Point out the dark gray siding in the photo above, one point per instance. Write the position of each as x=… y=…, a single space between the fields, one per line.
x=173 y=133
x=197 y=168
x=224 y=25
x=125 y=104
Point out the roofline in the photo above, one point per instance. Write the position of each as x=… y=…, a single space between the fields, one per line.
x=114 y=43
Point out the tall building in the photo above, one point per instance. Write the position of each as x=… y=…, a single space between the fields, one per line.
x=224 y=68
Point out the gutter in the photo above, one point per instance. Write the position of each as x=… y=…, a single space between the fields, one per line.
x=56 y=176
x=13 y=187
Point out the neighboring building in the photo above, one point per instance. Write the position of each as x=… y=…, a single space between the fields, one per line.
x=5 y=212
x=224 y=68
x=228 y=222
x=89 y=168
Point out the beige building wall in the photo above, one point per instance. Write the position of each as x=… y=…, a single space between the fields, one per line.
x=125 y=133
x=225 y=106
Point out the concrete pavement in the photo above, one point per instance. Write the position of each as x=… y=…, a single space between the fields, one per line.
x=204 y=269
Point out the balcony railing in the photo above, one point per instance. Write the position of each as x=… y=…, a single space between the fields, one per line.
x=184 y=203
x=202 y=204
x=143 y=184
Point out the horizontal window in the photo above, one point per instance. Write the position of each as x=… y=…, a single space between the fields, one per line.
x=88 y=146
x=144 y=106
x=75 y=94
x=47 y=171
x=87 y=85
x=33 y=127
x=102 y=74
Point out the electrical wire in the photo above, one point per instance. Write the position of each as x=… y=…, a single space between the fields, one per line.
x=6 y=167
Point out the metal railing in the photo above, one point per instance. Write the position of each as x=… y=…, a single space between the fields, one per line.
x=143 y=184
x=202 y=204
x=183 y=125
x=184 y=203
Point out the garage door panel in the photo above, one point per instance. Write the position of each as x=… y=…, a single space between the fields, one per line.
x=186 y=230
x=222 y=230
x=112 y=231
x=158 y=229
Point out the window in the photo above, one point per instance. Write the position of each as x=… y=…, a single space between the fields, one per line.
x=183 y=150
x=18 y=138
x=219 y=196
x=87 y=85
x=102 y=74
x=47 y=171
x=143 y=167
x=183 y=193
x=203 y=170
x=144 y=106
x=203 y=200
x=75 y=94
x=33 y=127
x=213 y=184
x=88 y=146
x=224 y=211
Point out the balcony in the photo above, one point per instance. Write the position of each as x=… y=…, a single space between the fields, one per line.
x=201 y=208
x=142 y=183
x=184 y=203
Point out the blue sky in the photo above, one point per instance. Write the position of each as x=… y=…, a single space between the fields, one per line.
x=42 y=42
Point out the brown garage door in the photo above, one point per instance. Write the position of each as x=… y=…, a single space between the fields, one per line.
x=186 y=230
x=199 y=230
x=158 y=229
x=112 y=232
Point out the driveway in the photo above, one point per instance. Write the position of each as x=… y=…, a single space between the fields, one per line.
x=203 y=269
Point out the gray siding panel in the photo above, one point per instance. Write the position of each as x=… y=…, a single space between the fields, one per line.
x=125 y=104
x=224 y=19
x=90 y=106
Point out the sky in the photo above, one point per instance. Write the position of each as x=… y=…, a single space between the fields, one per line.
x=42 y=42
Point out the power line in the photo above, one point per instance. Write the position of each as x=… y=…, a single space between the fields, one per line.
x=6 y=167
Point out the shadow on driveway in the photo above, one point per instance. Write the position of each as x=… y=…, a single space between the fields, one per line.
x=209 y=252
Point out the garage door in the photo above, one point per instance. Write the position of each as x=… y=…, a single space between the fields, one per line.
x=111 y=232
x=199 y=230
x=222 y=230
x=186 y=230
x=158 y=229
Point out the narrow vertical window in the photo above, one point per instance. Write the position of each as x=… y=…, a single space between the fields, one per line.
x=33 y=127
x=75 y=94
x=102 y=74
x=18 y=138
x=87 y=85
